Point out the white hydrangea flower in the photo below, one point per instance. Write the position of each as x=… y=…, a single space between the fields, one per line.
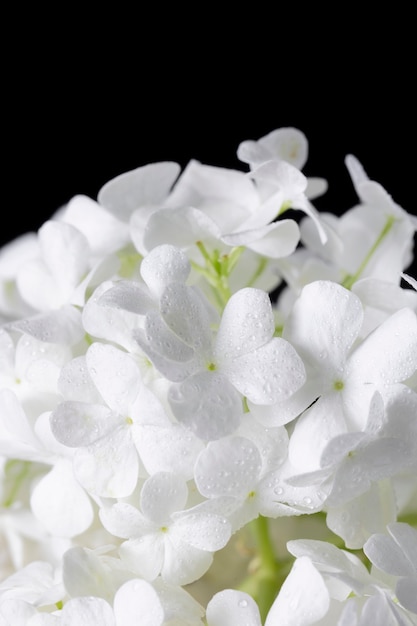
x=153 y=604
x=232 y=607
x=163 y=537
x=38 y=583
x=13 y=256
x=242 y=479
x=106 y=401
x=351 y=461
x=341 y=375
x=213 y=372
x=105 y=231
x=146 y=186
x=50 y=281
x=396 y=554
x=345 y=593
x=226 y=206
x=373 y=239
x=161 y=400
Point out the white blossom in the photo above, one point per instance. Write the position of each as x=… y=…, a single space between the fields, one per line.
x=190 y=382
x=164 y=537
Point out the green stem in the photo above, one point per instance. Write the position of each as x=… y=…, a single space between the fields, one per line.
x=217 y=271
x=16 y=471
x=352 y=278
x=260 y=530
x=409 y=518
x=259 y=270
x=264 y=583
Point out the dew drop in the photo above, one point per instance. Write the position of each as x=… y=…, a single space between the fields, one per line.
x=243 y=604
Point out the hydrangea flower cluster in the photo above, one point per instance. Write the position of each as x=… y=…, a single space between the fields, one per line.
x=208 y=402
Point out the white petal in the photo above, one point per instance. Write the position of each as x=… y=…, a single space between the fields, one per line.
x=264 y=215
x=75 y=382
x=406 y=593
x=165 y=264
x=171 y=449
x=389 y=354
x=406 y=537
x=65 y=251
x=384 y=295
x=146 y=555
x=188 y=316
x=340 y=446
x=162 y=494
x=104 y=233
x=109 y=467
x=76 y=424
x=181 y=227
x=220 y=191
x=16 y=612
x=230 y=608
x=85 y=574
x=324 y=323
x=386 y=457
x=137 y=602
x=148 y=184
x=106 y=322
x=129 y=296
x=38 y=581
x=183 y=564
x=88 y=611
x=285 y=410
x=207 y=404
x=281 y=175
x=389 y=555
x=269 y=374
x=202 y=530
x=177 y=361
x=315 y=216
x=313 y=430
x=62 y=326
x=316 y=187
x=178 y=603
x=287 y=143
x=60 y=503
x=247 y=323
x=30 y=350
x=230 y=466
x=349 y=613
x=252 y=152
x=124 y=520
x=16 y=432
x=303 y=598
x=356 y=171
x=115 y=375
x=165 y=341
x=103 y=270
x=39 y=289
x=326 y=555
x=377 y=609
x=275 y=241
x=55 y=449
x=364 y=516
x=271 y=441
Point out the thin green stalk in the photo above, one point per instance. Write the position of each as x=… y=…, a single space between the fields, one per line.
x=352 y=278
x=265 y=582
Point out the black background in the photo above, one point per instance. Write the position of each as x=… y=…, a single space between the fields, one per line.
x=89 y=98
